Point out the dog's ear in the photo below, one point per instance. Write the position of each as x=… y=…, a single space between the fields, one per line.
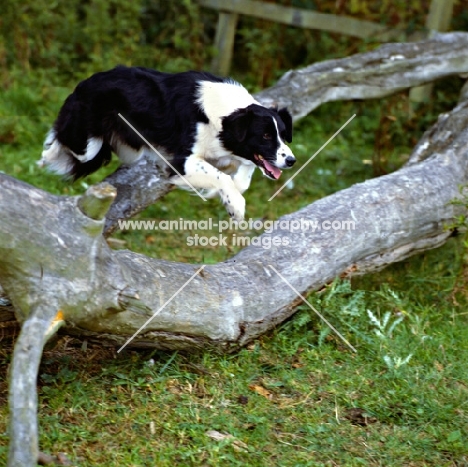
x=287 y=120
x=238 y=123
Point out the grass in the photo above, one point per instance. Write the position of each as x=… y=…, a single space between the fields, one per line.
x=297 y=396
x=294 y=397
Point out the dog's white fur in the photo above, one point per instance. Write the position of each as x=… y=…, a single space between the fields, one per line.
x=211 y=167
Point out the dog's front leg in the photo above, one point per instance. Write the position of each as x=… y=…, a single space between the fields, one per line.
x=201 y=175
x=243 y=176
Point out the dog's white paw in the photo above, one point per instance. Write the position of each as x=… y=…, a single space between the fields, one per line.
x=234 y=203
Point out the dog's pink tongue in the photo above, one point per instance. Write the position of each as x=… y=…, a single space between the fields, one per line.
x=272 y=169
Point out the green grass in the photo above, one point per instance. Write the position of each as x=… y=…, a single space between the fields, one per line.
x=297 y=396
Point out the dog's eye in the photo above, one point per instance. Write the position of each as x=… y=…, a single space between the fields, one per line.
x=267 y=136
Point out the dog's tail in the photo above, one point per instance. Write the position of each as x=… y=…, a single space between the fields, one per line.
x=69 y=149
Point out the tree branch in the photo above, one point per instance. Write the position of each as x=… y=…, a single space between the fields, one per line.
x=138 y=186
x=23 y=449
x=384 y=71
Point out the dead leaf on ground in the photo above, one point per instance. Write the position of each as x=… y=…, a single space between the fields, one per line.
x=262 y=391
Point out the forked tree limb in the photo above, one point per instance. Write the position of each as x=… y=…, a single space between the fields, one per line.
x=111 y=294
x=50 y=276
x=381 y=72
x=43 y=320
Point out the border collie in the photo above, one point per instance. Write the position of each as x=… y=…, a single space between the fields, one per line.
x=213 y=132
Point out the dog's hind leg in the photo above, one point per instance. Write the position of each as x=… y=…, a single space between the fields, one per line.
x=69 y=143
x=102 y=158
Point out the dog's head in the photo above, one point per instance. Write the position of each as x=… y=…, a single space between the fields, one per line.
x=258 y=134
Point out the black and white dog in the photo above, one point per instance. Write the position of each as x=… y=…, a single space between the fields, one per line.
x=211 y=129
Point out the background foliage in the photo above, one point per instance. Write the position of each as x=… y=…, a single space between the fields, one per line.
x=77 y=37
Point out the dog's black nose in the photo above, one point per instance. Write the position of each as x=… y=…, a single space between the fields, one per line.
x=290 y=161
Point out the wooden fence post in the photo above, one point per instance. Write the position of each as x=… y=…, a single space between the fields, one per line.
x=438 y=20
x=224 y=42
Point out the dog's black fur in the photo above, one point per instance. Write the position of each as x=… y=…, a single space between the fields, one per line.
x=213 y=132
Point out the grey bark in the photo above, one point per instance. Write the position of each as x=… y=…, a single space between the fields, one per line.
x=138 y=186
x=23 y=448
x=110 y=294
x=54 y=256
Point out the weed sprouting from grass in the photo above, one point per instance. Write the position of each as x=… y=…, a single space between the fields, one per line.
x=393 y=363
x=384 y=327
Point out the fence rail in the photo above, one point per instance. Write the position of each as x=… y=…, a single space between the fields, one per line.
x=439 y=17
x=229 y=12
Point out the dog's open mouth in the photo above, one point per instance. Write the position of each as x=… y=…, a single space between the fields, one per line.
x=268 y=169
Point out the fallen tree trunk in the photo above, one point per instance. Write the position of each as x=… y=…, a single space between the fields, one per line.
x=379 y=73
x=238 y=315
x=111 y=294
x=62 y=272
